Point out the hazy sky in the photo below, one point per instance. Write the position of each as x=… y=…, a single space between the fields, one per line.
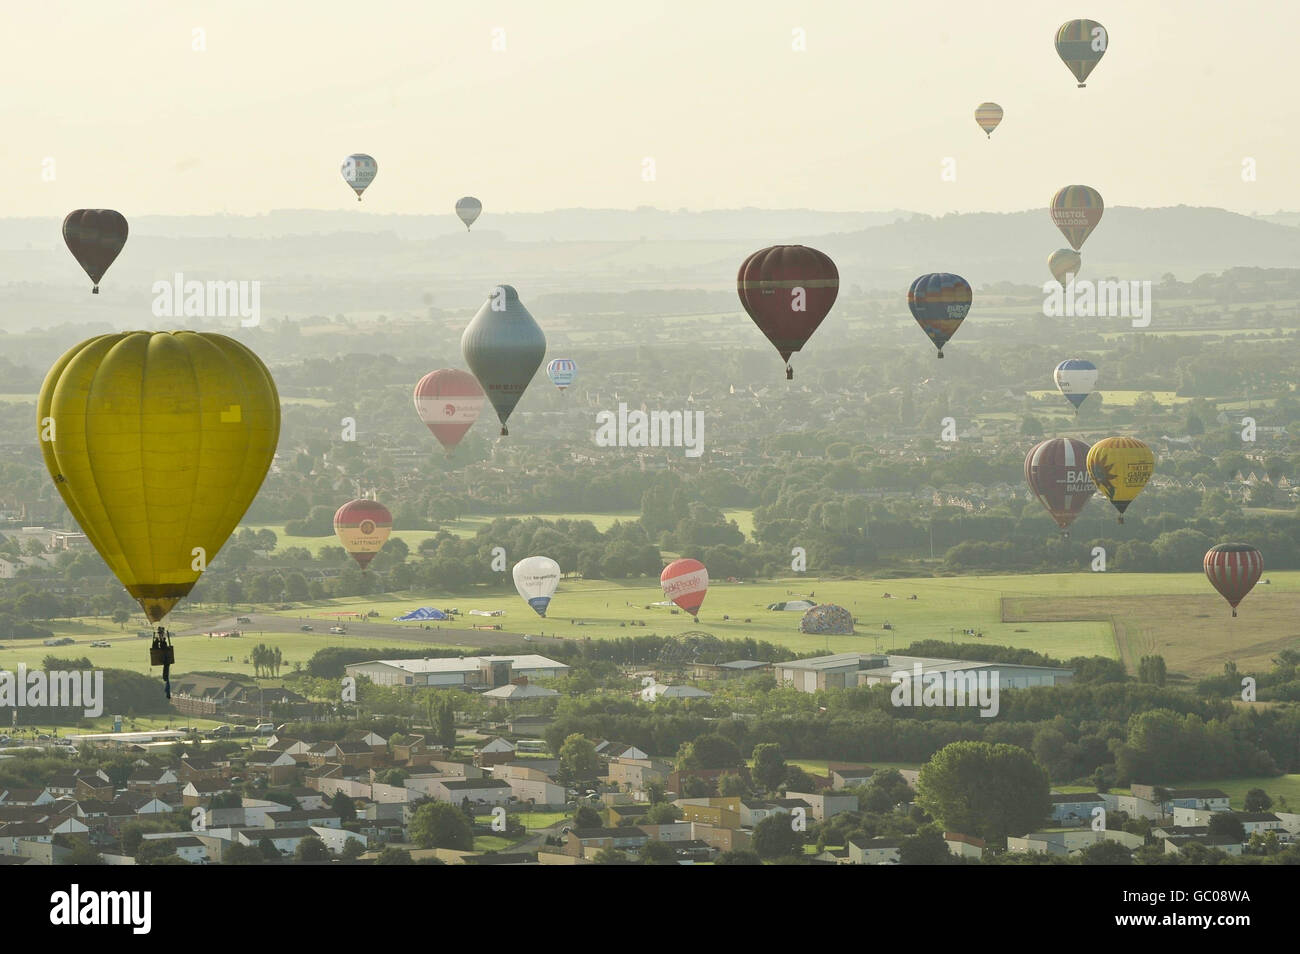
x=135 y=119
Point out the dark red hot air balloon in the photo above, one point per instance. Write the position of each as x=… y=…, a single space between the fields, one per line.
x=1057 y=473
x=788 y=290
x=1233 y=569
x=95 y=237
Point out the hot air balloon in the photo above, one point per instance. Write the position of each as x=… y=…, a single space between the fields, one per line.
x=1081 y=44
x=939 y=303
x=359 y=170
x=1233 y=569
x=1064 y=262
x=787 y=290
x=363 y=526
x=449 y=401
x=503 y=346
x=1120 y=467
x=1076 y=210
x=988 y=115
x=1075 y=378
x=536 y=578
x=158 y=442
x=686 y=582
x=562 y=371
x=468 y=210
x=95 y=237
x=1057 y=473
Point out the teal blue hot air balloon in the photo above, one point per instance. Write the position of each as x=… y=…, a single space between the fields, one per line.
x=504 y=347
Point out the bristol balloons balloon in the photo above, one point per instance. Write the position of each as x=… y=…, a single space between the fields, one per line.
x=449 y=401
x=536 y=578
x=1081 y=44
x=988 y=115
x=363 y=526
x=1076 y=378
x=1057 y=473
x=359 y=170
x=1233 y=569
x=562 y=372
x=939 y=303
x=95 y=237
x=1064 y=262
x=685 y=582
x=787 y=290
x=504 y=347
x=158 y=442
x=1076 y=210
x=1120 y=467
x=468 y=210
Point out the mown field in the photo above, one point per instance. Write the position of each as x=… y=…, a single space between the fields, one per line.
x=1119 y=615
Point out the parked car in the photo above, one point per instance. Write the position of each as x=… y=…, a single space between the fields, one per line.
x=239 y=730
x=221 y=730
x=305 y=629
x=242 y=619
x=264 y=728
x=338 y=630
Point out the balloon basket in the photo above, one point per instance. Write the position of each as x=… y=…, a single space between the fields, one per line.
x=162 y=653
x=504 y=432
x=940 y=354
x=95 y=290
x=789 y=373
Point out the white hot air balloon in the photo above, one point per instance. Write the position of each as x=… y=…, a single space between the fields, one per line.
x=536 y=578
x=359 y=170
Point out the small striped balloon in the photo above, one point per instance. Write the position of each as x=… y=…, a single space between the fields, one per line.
x=1233 y=569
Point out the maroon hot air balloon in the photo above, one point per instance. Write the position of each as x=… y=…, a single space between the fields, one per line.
x=788 y=290
x=1233 y=569
x=1057 y=472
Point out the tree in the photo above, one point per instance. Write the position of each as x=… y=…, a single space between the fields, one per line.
x=587 y=817
x=83 y=854
x=341 y=803
x=740 y=857
x=611 y=856
x=237 y=853
x=926 y=847
x=709 y=751
x=1106 y=852
x=1151 y=670
x=352 y=849
x=1031 y=426
x=983 y=789
x=769 y=765
x=311 y=851
x=657 y=852
x=1227 y=825
x=662 y=813
x=120 y=616
x=731 y=783
x=393 y=856
x=578 y=759
x=775 y=837
x=1257 y=800
x=440 y=825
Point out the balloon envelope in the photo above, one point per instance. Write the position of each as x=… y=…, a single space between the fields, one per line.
x=1064 y=262
x=1233 y=569
x=988 y=115
x=1076 y=378
x=685 y=582
x=536 y=578
x=787 y=290
x=449 y=401
x=1081 y=44
x=504 y=347
x=562 y=372
x=359 y=170
x=95 y=237
x=939 y=302
x=1057 y=473
x=468 y=210
x=1076 y=210
x=1120 y=467
x=158 y=442
x=363 y=526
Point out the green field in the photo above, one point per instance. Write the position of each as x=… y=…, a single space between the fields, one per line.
x=1119 y=615
x=1122 y=398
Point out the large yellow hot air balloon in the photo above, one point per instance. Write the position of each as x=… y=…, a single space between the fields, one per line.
x=158 y=442
x=1120 y=467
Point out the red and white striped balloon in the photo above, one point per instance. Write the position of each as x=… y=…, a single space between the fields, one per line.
x=1233 y=569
